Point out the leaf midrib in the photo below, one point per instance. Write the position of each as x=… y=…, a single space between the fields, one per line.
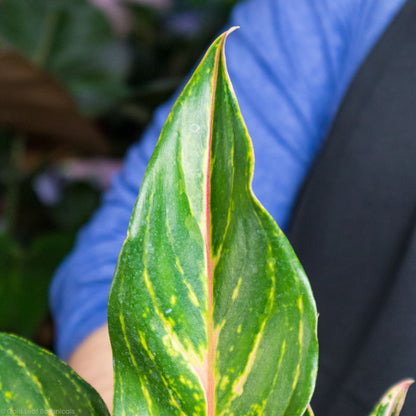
x=211 y=338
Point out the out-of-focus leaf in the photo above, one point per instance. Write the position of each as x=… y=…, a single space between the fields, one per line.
x=210 y=311
x=392 y=402
x=25 y=274
x=72 y=40
x=33 y=102
x=77 y=203
x=34 y=381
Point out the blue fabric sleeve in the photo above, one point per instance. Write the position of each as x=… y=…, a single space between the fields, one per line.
x=290 y=64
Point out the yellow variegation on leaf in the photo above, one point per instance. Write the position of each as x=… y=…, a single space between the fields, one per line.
x=210 y=311
x=34 y=381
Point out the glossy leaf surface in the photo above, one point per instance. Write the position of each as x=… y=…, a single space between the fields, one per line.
x=392 y=402
x=210 y=312
x=34 y=380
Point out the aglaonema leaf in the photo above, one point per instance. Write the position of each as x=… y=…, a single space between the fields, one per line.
x=392 y=402
x=34 y=381
x=210 y=312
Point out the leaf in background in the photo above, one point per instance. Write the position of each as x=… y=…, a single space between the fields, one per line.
x=210 y=312
x=33 y=379
x=74 y=42
x=34 y=103
x=25 y=274
x=392 y=402
x=78 y=202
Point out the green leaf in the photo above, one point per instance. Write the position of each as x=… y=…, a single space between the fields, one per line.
x=71 y=40
x=34 y=380
x=210 y=312
x=392 y=402
x=25 y=273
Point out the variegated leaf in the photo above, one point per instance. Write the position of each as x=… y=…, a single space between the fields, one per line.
x=392 y=402
x=34 y=381
x=210 y=312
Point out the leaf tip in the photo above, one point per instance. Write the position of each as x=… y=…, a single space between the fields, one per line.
x=402 y=386
x=229 y=31
x=393 y=400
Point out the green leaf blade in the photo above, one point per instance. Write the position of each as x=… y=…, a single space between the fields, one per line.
x=392 y=401
x=215 y=311
x=33 y=379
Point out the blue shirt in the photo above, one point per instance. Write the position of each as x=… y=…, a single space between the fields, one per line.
x=290 y=63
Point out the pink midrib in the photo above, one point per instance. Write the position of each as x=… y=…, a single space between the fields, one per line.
x=211 y=338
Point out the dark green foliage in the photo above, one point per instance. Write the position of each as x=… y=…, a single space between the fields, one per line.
x=71 y=40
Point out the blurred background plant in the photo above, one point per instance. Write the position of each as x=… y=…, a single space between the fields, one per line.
x=79 y=81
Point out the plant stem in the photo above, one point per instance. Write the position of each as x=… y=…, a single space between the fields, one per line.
x=45 y=45
x=13 y=184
